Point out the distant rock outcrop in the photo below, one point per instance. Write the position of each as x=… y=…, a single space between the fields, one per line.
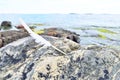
x=12 y=35
x=59 y=32
x=6 y=23
x=19 y=26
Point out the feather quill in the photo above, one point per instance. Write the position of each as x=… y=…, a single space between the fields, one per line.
x=38 y=38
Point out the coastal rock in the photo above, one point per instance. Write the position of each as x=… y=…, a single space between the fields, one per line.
x=6 y=23
x=19 y=27
x=59 y=32
x=10 y=36
x=26 y=60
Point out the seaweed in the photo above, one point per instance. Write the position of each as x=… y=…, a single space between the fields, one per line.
x=102 y=36
x=38 y=31
x=103 y=30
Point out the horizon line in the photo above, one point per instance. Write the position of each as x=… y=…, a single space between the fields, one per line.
x=63 y=13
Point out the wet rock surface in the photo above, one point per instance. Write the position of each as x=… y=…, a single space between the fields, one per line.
x=26 y=60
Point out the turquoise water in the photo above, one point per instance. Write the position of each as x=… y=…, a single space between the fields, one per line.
x=99 y=29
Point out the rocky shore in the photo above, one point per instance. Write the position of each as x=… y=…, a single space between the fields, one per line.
x=23 y=59
x=13 y=35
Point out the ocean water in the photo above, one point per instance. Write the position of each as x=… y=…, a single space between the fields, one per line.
x=98 y=29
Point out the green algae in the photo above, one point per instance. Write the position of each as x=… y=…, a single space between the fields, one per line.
x=38 y=31
x=102 y=36
x=103 y=30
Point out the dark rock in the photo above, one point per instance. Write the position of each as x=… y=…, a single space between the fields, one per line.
x=19 y=27
x=73 y=38
x=6 y=23
x=10 y=36
x=59 y=32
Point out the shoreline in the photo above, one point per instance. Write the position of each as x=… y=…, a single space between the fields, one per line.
x=5 y=38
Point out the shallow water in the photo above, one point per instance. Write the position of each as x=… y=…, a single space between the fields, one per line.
x=99 y=29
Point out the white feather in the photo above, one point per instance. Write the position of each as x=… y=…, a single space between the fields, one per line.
x=38 y=38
